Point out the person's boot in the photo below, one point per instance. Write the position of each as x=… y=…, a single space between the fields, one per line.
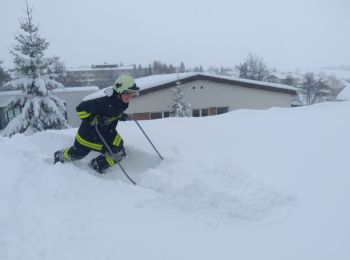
x=99 y=164
x=59 y=156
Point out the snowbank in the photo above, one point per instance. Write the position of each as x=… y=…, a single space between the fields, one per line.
x=270 y=184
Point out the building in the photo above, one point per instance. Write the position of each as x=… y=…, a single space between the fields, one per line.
x=96 y=75
x=344 y=94
x=71 y=96
x=208 y=94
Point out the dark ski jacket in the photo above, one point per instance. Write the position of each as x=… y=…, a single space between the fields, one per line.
x=106 y=111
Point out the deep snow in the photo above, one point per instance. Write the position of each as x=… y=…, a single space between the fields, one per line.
x=270 y=184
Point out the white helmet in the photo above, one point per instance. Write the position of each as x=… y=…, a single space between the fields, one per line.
x=125 y=84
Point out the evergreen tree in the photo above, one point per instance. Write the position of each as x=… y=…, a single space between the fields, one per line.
x=179 y=107
x=182 y=68
x=172 y=69
x=40 y=109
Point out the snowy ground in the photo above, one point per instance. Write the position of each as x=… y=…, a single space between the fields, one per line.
x=271 y=184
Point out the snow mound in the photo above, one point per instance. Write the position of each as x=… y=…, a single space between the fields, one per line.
x=274 y=180
x=216 y=190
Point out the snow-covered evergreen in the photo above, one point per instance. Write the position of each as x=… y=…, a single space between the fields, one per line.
x=179 y=107
x=40 y=109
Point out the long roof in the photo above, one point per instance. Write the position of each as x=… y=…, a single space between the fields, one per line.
x=156 y=82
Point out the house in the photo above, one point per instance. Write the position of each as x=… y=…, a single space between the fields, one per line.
x=344 y=95
x=208 y=94
x=273 y=78
x=71 y=96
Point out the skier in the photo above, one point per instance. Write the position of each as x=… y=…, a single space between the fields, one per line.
x=104 y=111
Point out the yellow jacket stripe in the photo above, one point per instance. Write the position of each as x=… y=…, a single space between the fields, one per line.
x=117 y=140
x=83 y=142
x=109 y=160
x=66 y=155
x=83 y=114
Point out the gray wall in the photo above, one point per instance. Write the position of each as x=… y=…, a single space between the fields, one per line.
x=72 y=100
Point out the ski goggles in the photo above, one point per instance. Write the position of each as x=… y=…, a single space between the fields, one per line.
x=131 y=93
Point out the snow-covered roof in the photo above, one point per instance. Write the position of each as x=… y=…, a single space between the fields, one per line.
x=76 y=89
x=147 y=83
x=126 y=67
x=5 y=95
x=66 y=89
x=345 y=93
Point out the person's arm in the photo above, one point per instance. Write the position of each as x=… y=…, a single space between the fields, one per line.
x=88 y=109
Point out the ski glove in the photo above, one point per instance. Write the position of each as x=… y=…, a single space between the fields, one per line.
x=100 y=121
x=104 y=121
x=124 y=117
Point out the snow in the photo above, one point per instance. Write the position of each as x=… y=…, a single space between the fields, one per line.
x=342 y=73
x=270 y=184
x=77 y=89
x=125 y=67
x=345 y=93
x=156 y=80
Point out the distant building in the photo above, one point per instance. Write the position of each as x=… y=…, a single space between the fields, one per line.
x=97 y=75
x=71 y=96
x=344 y=95
x=273 y=78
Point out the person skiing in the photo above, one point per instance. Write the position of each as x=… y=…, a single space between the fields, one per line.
x=105 y=112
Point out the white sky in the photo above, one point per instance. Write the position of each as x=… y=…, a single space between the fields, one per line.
x=308 y=34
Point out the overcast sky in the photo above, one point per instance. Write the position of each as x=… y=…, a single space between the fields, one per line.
x=306 y=34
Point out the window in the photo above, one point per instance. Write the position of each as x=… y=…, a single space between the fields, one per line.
x=166 y=114
x=10 y=114
x=201 y=87
x=193 y=87
x=141 y=116
x=205 y=111
x=156 y=115
x=221 y=110
x=195 y=112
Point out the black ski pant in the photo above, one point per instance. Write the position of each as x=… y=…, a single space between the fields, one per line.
x=79 y=151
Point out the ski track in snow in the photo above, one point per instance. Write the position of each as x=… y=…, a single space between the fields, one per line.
x=215 y=194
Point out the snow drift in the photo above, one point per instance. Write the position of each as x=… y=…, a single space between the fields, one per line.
x=270 y=184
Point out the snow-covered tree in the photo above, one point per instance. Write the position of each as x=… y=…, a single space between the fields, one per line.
x=253 y=68
x=179 y=107
x=40 y=108
x=313 y=89
x=335 y=87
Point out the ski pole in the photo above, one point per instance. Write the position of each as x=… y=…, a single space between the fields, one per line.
x=161 y=157
x=112 y=154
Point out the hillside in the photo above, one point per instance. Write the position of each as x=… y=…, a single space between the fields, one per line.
x=270 y=184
